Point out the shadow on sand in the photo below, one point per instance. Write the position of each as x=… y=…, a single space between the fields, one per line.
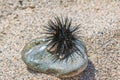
x=87 y=74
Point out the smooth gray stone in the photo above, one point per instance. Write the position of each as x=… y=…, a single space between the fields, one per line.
x=37 y=58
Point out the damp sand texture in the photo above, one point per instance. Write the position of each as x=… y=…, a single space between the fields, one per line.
x=22 y=20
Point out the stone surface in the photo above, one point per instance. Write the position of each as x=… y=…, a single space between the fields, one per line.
x=38 y=58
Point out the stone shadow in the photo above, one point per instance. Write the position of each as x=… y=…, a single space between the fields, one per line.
x=87 y=74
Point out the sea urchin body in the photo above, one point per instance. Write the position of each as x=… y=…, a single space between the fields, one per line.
x=62 y=37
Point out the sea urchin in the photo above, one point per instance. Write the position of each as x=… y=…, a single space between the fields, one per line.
x=62 y=37
x=61 y=53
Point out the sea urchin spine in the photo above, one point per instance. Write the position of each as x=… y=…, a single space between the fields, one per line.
x=62 y=37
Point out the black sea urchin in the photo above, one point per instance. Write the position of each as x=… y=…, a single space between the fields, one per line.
x=62 y=37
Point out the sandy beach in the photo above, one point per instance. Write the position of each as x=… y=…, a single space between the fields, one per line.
x=23 y=20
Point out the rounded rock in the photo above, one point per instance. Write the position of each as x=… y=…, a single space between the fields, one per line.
x=36 y=57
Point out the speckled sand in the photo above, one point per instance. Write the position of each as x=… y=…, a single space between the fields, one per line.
x=100 y=28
